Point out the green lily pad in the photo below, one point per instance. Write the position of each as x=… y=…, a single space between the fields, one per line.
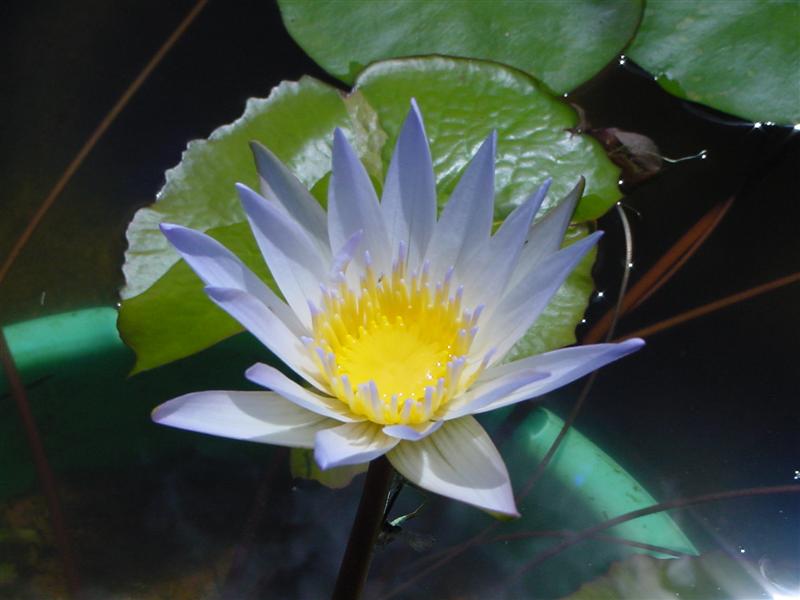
x=463 y=100
x=738 y=56
x=562 y=43
x=161 y=325
x=296 y=122
x=163 y=301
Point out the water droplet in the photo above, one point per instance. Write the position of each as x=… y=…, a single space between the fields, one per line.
x=622 y=59
x=796 y=474
x=742 y=550
x=796 y=127
x=601 y=295
x=630 y=265
x=757 y=125
x=583 y=321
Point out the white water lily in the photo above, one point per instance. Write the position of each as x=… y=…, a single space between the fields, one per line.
x=398 y=321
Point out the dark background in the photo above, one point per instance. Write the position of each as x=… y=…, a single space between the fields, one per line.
x=708 y=405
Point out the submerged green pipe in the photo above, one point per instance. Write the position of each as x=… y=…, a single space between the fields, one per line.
x=51 y=345
x=606 y=490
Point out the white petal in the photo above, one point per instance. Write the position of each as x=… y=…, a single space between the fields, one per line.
x=412 y=433
x=273 y=379
x=345 y=254
x=353 y=206
x=490 y=391
x=254 y=416
x=547 y=234
x=279 y=184
x=466 y=221
x=408 y=203
x=270 y=331
x=521 y=305
x=295 y=261
x=219 y=267
x=564 y=365
x=461 y=462
x=351 y=444
x=487 y=278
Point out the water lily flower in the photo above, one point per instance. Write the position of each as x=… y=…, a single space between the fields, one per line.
x=397 y=321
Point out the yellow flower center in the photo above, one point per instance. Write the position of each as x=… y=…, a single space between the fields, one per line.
x=395 y=351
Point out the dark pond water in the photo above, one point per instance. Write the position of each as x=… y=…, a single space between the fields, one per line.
x=709 y=405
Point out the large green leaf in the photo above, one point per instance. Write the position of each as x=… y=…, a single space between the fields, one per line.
x=296 y=122
x=164 y=323
x=561 y=43
x=738 y=56
x=164 y=315
x=463 y=100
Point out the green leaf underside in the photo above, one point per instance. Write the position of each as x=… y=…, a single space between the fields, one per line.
x=561 y=43
x=739 y=56
x=463 y=100
x=166 y=316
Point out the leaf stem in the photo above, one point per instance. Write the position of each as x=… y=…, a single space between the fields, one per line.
x=43 y=469
x=358 y=554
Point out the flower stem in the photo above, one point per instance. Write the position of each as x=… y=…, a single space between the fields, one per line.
x=358 y=554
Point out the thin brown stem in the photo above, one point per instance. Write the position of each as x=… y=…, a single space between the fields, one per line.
x=714 y=306
x=98 y=133
x=43 y=470
x=661 y=272
x=358 y=554
x=521 y=535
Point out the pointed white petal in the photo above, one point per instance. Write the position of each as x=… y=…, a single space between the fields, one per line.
x=254 y=416
x=546 y=235
x=351 y=444
x=219 y=267
x=270 y=331
x=353 y=206
x=412 y=433
x=564 y=366
x=486 y=279
x=276 y=381
x=279 y=184
x=466 y=221
x=295 y=261
x=458 y=461
x=490 y=391
x=408 y=203
x=345 y=254
x=521 y=305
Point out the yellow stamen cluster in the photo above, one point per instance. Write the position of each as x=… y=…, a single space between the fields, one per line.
x=395 y=351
